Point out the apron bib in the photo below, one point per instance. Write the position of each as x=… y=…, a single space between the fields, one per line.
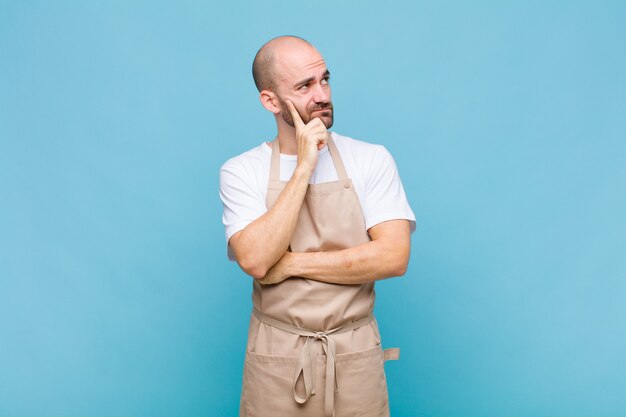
x=314 y=348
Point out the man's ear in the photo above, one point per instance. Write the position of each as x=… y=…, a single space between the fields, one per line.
x=269 y=100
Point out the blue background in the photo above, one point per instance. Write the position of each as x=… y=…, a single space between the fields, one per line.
x=508 y=125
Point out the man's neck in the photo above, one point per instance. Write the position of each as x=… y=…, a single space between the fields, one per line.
x=287 y=140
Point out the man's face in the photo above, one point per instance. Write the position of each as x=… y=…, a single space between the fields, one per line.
x=303 y=79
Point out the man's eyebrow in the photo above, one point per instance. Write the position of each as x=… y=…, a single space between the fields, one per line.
x=304 y=82
x=308 y=80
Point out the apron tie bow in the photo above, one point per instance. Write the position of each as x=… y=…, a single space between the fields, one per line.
x=307 y=360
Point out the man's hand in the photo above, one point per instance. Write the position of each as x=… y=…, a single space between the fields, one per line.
x=310 y=138
x=277 y=273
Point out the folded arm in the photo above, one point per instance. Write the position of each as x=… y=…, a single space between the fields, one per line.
x=264 y=241
x=385 y=256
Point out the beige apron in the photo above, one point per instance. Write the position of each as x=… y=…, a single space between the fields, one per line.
x=314 y=348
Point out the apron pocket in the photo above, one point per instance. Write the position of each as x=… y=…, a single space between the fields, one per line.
x=268 y=388
x=362 y=384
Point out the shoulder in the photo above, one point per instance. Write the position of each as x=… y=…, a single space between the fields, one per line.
x=361 y=152
x=355 y=144
x=248 y=161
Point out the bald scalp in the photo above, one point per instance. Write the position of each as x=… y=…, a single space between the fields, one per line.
x=264 y=70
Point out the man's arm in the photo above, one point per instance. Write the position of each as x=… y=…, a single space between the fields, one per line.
x=386 y=255
x=262 y=243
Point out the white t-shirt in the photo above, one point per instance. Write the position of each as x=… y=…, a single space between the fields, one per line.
x=244 y=180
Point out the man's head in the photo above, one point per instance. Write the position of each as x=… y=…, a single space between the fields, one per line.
x=290 y=68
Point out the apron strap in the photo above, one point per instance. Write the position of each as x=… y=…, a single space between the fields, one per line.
x=307 y=361
x=334 y=154
x=391 y=354
x=338 y=162
x=275 y=162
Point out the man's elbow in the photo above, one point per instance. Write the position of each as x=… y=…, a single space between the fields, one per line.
x=399 y=268
x=252 y=268
x=250 y=264
x=400 y=264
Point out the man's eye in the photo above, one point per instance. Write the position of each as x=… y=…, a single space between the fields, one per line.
x=303 y=87
x=325 y=81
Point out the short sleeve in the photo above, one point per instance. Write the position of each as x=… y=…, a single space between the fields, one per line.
x=385 y=198
x=243 y=202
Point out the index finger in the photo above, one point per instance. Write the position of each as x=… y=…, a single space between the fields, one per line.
x=297 y=120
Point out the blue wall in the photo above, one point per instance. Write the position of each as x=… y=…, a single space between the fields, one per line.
x=508 y=124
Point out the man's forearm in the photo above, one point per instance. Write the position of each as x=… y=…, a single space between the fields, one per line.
x=357 y=265
x=261 y=244
x=386 y=256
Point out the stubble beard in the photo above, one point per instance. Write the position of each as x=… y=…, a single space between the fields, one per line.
x=326 y=116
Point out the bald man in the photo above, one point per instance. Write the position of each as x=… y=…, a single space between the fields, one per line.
x=315 y=218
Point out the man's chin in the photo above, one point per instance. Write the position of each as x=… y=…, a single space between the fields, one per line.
x=326 y=118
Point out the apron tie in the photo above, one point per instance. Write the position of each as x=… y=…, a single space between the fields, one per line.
x=307 y=361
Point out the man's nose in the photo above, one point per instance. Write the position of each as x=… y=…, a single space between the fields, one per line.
x=321 y=93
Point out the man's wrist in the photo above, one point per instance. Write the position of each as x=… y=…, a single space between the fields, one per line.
x=303 y=172
x=290 y=264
